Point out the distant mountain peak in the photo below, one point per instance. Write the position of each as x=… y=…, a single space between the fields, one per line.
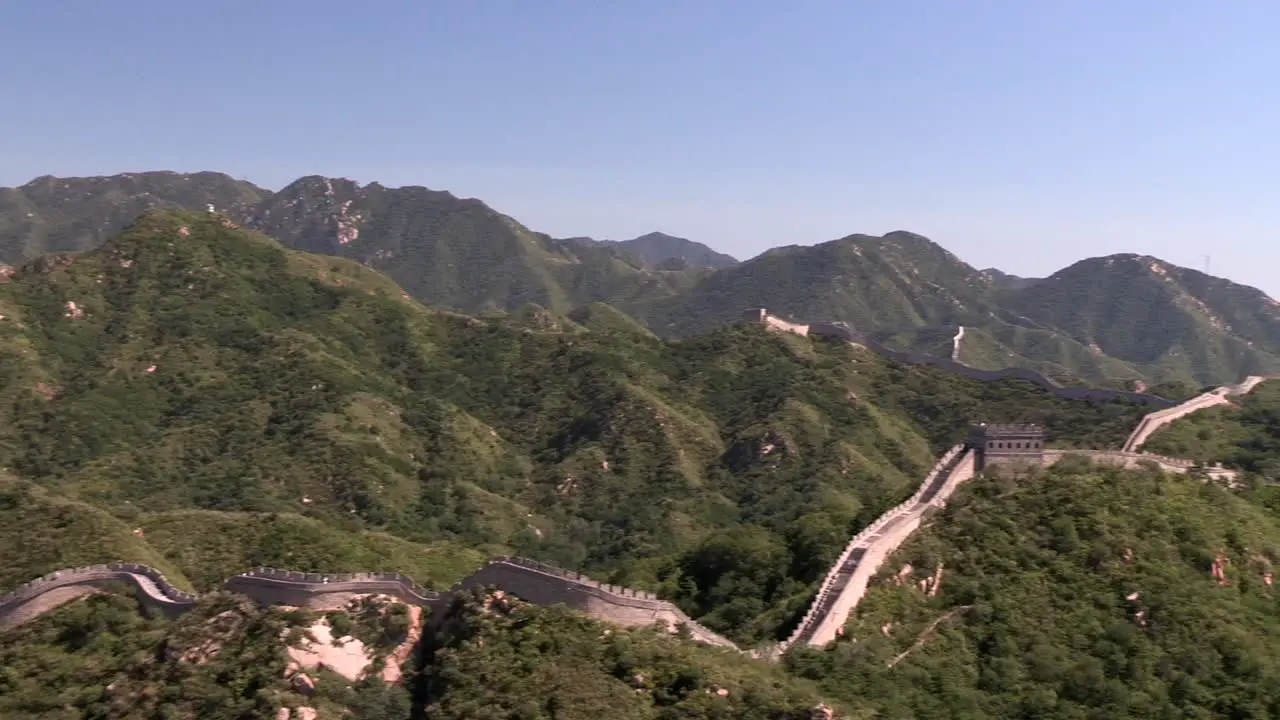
x=659 y=248
x=905 y=235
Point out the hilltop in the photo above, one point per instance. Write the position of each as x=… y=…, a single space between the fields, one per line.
x=661 y=250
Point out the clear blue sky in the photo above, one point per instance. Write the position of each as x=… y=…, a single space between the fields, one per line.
x=1019 y=133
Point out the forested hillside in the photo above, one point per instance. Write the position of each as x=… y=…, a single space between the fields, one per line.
x=1077 y=593
x=194 y=396
x=493 y=656
x=189 y=366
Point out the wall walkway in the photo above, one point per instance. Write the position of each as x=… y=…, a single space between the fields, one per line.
x=847 y=580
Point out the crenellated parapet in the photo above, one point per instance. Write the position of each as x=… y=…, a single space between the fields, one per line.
x=45 y=593
x=529 y=579
x=1151 y=422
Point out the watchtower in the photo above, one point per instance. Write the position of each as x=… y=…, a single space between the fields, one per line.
x=1021 y=445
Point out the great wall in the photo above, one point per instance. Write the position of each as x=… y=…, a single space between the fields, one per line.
x=530 y=580
x=843 y=332
x=840 y=592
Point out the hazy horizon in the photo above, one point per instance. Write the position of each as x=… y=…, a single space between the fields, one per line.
x=1019 y=136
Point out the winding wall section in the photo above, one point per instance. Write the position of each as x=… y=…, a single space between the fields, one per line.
x=843 y=332
x=1158 y=419
x=531 y=580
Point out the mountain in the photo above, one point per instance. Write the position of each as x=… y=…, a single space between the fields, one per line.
x=189 y=366
x=657 y=249
x=898 y=280
x=1116 y=320
x=1171 y=321
x=51 y=214
x=1119 y=321
x=450 y=252
x=1005 y=281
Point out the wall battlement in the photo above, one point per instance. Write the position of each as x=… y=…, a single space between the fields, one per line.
x=529 y=579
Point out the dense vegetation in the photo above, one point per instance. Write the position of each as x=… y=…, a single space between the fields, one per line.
x=103 y=658
x=1110 y=321
x=194 y=396
x=1078 y=593
x=190 y=366
x=503 y=659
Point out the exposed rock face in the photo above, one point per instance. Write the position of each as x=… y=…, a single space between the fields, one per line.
x=345 y=656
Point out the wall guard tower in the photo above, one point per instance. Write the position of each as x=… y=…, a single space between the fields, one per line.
x=1021 y=445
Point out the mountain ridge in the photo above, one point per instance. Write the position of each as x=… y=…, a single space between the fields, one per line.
x=902 y=288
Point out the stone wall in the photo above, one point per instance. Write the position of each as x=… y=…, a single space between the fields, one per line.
x=1154 y=421
x=548 y=585
x=875 y=548
x=321 y=591
x=1122 y=458
x=947 y=364
x=852 y=556
x=530 y=580
x=43 y=594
